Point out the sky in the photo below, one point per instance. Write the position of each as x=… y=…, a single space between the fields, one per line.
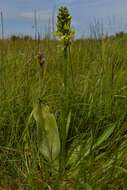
x=109 y=16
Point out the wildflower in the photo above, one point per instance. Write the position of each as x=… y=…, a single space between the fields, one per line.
x=64 y=30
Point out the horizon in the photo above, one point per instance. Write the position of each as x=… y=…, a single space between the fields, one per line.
x=106 y=16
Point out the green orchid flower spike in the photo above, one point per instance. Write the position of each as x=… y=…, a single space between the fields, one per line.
x=64 y=29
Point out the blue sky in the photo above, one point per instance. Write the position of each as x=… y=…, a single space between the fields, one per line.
x=19 y=15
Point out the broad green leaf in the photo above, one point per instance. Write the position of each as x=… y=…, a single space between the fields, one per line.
x=48 y=135
x=104 y=136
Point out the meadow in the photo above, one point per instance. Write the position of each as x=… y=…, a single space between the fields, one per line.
x=94 y=109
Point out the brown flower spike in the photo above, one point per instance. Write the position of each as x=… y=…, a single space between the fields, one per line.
x=41 y=58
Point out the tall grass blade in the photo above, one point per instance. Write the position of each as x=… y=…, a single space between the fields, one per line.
x=68 y=123
x=104 y=136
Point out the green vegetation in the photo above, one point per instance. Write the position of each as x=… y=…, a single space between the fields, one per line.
x=79 y=91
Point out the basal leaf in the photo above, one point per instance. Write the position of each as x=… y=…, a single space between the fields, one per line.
x=48 y=135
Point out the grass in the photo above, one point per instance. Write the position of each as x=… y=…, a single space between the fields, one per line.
x=97 y=102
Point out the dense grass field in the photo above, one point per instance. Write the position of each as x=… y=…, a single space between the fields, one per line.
x=94 y=153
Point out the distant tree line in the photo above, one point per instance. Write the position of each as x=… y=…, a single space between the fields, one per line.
x=20 y=37
x=28 y=37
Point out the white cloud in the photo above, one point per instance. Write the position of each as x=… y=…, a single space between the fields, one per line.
x=71 y=1
x=68 y=1
x=41 y=15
